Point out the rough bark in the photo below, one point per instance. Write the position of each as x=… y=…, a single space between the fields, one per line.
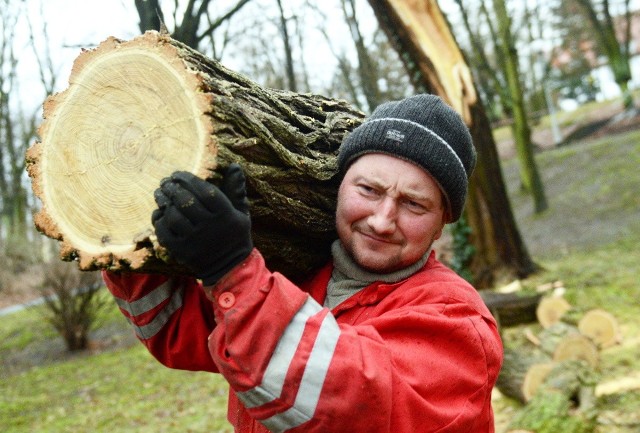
x=135 y=111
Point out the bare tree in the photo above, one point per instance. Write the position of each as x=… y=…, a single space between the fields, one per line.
x=367 y=68
x=370 y=71
x=17 y=131
x=617 y=49
x=73 y=303
x=491 y=81
x=288 y=52
x=529 y=174
x=189 y=28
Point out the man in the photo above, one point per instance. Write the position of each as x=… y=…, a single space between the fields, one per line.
x=383 y=339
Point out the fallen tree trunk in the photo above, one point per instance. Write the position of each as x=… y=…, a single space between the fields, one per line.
x=511 y=309
x=135 y=111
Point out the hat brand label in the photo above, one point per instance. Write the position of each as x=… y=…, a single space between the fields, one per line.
x=395 y=135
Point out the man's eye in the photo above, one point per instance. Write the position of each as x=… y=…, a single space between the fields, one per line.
x=415 y=206
x=367 y=190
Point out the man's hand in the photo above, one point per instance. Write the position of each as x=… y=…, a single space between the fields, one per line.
x=204 y=227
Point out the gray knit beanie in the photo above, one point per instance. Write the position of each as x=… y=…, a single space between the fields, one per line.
x=424 y=130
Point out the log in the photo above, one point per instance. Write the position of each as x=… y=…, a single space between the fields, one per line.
x=521 y=372
x=136 y=111
x=577 y=347
x=551 y=309
x=511 y=309
x=601 y=327
x=565 y=402
x=526 y=366
x=535 y=376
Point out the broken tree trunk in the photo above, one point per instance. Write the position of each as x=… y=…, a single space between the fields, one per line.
x=427 y=47
x=136 y=111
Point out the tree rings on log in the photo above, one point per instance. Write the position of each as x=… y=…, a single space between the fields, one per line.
x=136 y=111
x=534 y=377
x=578 y=348
x=601 y=327
x=551 y=309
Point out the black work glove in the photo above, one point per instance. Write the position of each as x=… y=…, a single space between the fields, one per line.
x=204 y=227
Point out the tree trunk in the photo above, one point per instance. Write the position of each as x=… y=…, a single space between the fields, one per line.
x=511 y=309
x=436 y=64
x=617 y=52
x=136 y=111
x=529 y=175
x=501 y=252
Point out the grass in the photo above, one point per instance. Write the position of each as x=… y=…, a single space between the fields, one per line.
x=587 y=239
x=116 y=391
x=122 y=389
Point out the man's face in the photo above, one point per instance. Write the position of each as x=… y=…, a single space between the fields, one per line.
x=389 y=212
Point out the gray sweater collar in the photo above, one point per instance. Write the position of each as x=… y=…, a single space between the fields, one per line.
x=348 y=278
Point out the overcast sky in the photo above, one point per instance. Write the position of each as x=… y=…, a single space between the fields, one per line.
x=72 y=24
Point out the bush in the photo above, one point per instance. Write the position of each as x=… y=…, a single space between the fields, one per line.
x=463 y=250
x=5 y=277
x=17 y=255
x=72 y=301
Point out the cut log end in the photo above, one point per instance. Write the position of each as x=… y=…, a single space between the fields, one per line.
x=136 y=111
x=534 y=377
x=577 y=347
x=551 y=309
x=601 y=327
x=130 y=117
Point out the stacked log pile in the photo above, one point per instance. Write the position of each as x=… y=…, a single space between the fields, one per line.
x=554 y=371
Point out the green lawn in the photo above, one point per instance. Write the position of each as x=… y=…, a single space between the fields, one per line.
x=118 y=390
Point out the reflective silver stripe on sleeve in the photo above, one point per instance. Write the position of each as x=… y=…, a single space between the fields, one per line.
x=313 y=377
x=148 y=302
x=152 y=328
x=274 y=375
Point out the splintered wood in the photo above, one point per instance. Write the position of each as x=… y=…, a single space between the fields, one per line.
x=136 y=111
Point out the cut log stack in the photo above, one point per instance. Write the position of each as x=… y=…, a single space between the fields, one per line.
x=554 y=372
x=136 y=111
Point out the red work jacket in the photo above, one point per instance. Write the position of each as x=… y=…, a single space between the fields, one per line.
x=419 y=355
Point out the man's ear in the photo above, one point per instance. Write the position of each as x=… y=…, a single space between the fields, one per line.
x=438 y=234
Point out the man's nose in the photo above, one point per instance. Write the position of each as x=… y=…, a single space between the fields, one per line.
x=384 y=216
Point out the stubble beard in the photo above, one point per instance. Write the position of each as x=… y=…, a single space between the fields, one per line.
x=381 y=265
